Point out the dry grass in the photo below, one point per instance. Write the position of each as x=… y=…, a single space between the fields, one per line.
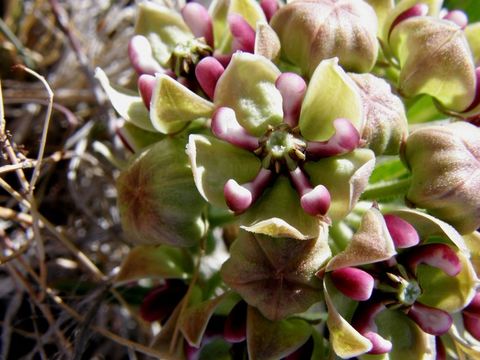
x=60 y=239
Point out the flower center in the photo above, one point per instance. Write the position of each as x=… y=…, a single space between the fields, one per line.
x=186 y=55
x=405 y=289
x=281 y=149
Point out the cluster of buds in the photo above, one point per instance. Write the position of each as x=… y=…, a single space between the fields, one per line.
x=272 y=122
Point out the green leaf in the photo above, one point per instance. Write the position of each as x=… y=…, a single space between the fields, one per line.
x=254 y=98
x=129 y=106
x=276 y=275
x=271 y=340
x=371 y=243
x=162 y=261
x=389 y=169
x=345 y=177
x=278 y=213
x=163 y=27
x=214 y=162
x=331 y=94
x=173 y=105
x=423 y=109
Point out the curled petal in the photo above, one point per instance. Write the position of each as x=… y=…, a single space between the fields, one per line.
x=354 y=283
x=472 y=324
x=240 y=197
x=432 y=320
x=292 y=87
x=141 y=56
x=146 y=84
x=199 y=21
x=345 y=139
x=243 y=33
x=235 y=329
x=402 y=232
x=269 y=7
x=416 y=10
x=437 y=255
x=364 y=322
x=314 y=201
x=207 y=72
x=226 y=127
x=458 y=17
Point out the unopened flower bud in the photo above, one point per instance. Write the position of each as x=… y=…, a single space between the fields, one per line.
x=444 y=161
x=157 y=198
x=311 y=31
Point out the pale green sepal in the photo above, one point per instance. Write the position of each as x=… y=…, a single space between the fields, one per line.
x=345 y=340
x=345 y=177
x=271 y=340
x=472 y=32
x=173 y=105
x=425 y=48
x=250 y=10
x=408 y=340
x=434 y=7
x=129 y=106
x=382 y=9
x=449 y=293
x=248 y=87
x=163 y=27
x=278 y=213
x=331 y=94
x=214 y=162
x=370 y=244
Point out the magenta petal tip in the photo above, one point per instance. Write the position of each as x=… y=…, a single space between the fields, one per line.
x=237 y=197
x=316 y=201
x=458 y=17
x=207 y=72
x=440 y=256
x=431 y=320
x=354 y=283
x=141 y=57
x=402 y=232
x=269 y=8
x=292 y=87
x=146 y=84
x=472 y=325
x=198 y=19
x=243 y=33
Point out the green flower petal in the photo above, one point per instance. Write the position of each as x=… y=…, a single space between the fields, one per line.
x=435 y=59
x=163 y=27
x=449 y=293
x=345 y=177
x=472 y=32
x=220 y=9
x=371 y=243
x=346 y=341
x=331 y=94
x=271 y=340
x=129 y=106
x=173 y=105
x=278 y=213
x=214 y=162
x=248 y=87
x=408 y=340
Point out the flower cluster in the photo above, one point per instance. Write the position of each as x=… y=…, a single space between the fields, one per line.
x=289 y=195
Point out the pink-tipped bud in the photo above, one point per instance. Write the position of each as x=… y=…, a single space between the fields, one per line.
x=316 y=201
x=364 y=322
x=354 y=283
x=431 y=320
x=141 y=56
x=345 y=139
x=472 y=324
x=440 y=256
x=146 y=84
x=243 y=34
x=458 y=17
x=237 y=197
x=198 y=19
x=402 y=232
x=416 y=10
x=292 y=87
x=208 y=71
x=226 y=127
x=269 y=7
x=235 y=329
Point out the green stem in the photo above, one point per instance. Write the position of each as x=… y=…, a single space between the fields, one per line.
x=387 y=189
